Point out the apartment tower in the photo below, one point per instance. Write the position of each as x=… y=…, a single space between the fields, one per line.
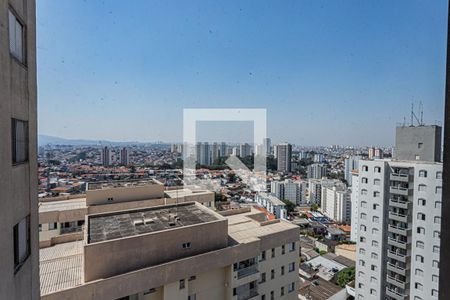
x=19 y=275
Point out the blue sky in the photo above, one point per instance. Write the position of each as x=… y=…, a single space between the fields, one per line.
x=328 y=72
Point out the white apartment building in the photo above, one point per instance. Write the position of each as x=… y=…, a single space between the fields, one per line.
x=293 y=191
x=245 y=150
x=317 y=171
x=399 y=211
x=274 y=205
x=337 y=203
x=106 y=156
x=355 y=204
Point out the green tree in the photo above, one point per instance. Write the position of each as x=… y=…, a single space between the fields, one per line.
x=219 y=197
x=290 y=207
x=345 y=276
x=314 y=207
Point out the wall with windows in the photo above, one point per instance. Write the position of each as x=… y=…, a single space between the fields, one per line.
x=18 y=166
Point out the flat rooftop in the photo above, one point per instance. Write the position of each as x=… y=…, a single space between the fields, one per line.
x=61 y=205
x=61 y=267
x=122 y=224
x=102 y=185
x=183 y=192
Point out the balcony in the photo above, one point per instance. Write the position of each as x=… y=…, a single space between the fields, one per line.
x=397 y=282
x=399 y=230
x=399 y=203
x=398 y=217
x=395 y=295
x=397 y=190
x=247 y=295
x=398 y=243
x=399 y=177
x=241 y=273
x=397 y=255
x=397 y=269
x=71 y=229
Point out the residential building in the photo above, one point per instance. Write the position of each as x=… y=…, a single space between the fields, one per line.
x=355 y=204
x=124 y=156
x=375 y=153
x=421 y=143
x=273 y=205
x=399 y=215
x=350 y=164
x=19 y=269
x=168 y=252
x=284 y=157
x=337 y=205
x=245 y=150
x=205 y=155
x=106 y=156
x=215 y=152
x=317 y=171
x=268 y=145
x=319 y=158
x=223 y=150
x=293 y=191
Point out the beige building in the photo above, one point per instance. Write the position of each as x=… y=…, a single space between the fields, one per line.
x=61 y=219
x=175 y=251
x=18 y=166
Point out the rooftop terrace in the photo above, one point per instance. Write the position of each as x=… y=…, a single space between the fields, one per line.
x=135 y=222
x=119 y=183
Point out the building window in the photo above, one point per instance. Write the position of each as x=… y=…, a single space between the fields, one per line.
x=437 y=220
x=362 y=239
x=292 y=267
x=40 y=227
x=363 y=192
x=362 y=251
x=263 y=297
x=418 y=286
x=272 y=274
x=375 y=231
x=192 y=278
x=192 y=297
x=437 y=234
x=375 y=219
x=52 y=226
x=262 y=256
x=373 y=279
x=438 y=175
x=377 y=170
x=19 y=133
x=423 y=173
x=363 y=204
x=282 y=270
x=420 y=258
x=16 y=37
x=373 y=292
x=272 y=295
x=439 y=190
x=363 y=227
x=420 y=230
x=434 y=293
x=273 y=252
x=420 y=245
x=363 y=216
x=374 y=255
x=435 y=264
x=377 y=182
x=437 y=204
x=376 y=194
x=436 y=249
x=421 y=216
x=373 y=267
x=263 y=278
x=291 y=287
x=182 y=284
x=187 y=245
x=364 y=180
x=374 y=243
x=292 y=247
x=419 y=272
x=435 y=278
x=420 y=145
x=365 y=168
x=362 y=263
x=422 y=187
x=283 y=249
x=422 y=202
x=375 y=206
x=21 y=242
x=282 y=291
x=149 y=291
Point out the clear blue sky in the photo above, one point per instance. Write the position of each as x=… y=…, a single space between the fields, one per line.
x=328 y=72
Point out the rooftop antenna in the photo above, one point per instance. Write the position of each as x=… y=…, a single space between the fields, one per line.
x=412 y=114
x=421 y=113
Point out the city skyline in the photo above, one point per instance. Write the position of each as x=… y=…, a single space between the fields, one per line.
x=328 y=74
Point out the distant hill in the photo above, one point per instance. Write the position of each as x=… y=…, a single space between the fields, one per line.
x=53 y=140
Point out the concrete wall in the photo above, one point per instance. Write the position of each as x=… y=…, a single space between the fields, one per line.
x=122 y=194
x=407 y=139
x=109 y=258
x=18 y=183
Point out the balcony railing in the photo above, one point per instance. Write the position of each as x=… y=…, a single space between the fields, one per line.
x=71 y=229
x=241 y=273
x=248 y=294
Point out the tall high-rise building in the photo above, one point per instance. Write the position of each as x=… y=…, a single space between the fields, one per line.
x=245 y=150
x=19 y=266
x=293 y=191
x=375 y=153
x=223 y=150
x=284 y=156
x=398 y=217
x=421 y=143
x=215 y=151
x=350 y=164
x=355 y=203
x=337 y=205
x=124 y=156
x=106 y=156
x=267 y=145
x=317 y=171
x=205 y=155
